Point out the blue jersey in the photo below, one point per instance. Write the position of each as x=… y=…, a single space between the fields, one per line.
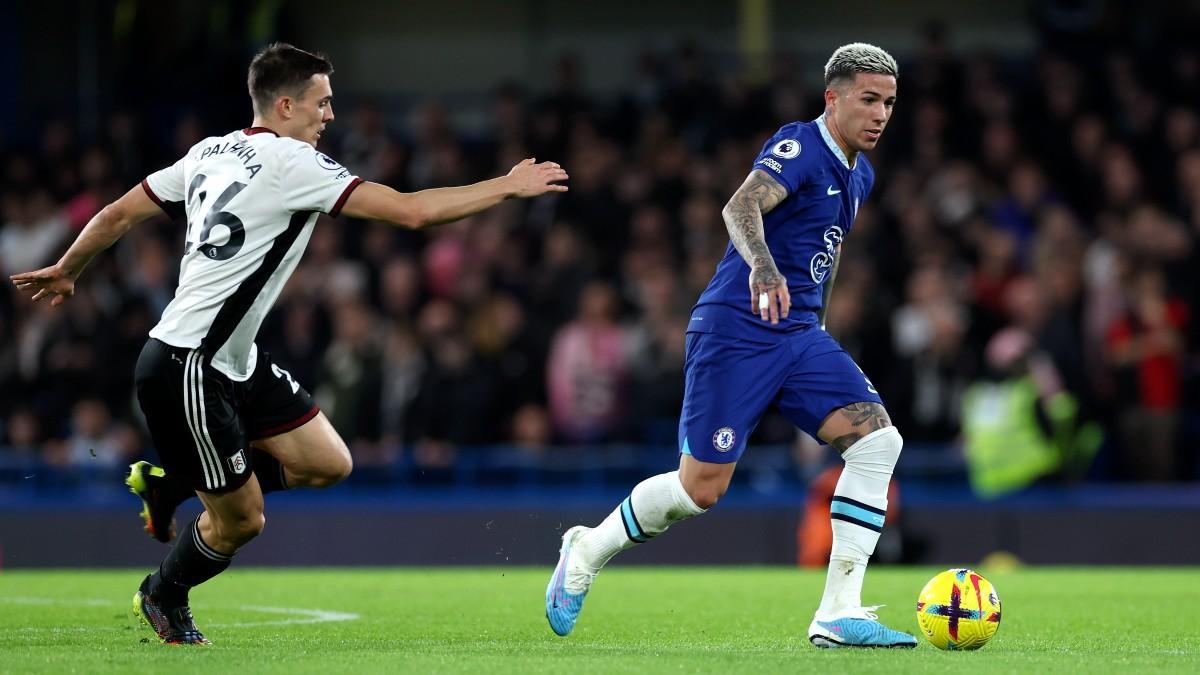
x=802 y=232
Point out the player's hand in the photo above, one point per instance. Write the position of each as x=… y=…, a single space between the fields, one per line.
x=50 y=282
x=530 y=180
x=769 y=297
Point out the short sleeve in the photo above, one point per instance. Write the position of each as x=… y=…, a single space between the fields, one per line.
x=313 y=181
x=165 y=188
x=785 y=158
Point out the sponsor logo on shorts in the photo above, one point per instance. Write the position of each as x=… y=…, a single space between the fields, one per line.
x=723 y=439
x=238 y=463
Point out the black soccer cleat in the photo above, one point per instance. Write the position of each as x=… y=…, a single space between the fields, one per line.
x=148 y=482
x=173 y=625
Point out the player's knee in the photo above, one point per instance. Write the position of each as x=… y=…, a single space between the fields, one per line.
x=332 y=471
x=876 y=454
x=342 y=468
x=890 y=443
x=706 y=494
x=240 y=529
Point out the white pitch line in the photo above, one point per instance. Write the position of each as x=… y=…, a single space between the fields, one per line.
x=300 y=615
x=310 y=616
x=25 y=600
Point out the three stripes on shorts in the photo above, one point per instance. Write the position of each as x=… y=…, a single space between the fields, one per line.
x=193 y=411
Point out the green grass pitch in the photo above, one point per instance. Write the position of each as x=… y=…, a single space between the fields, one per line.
x=637 y=620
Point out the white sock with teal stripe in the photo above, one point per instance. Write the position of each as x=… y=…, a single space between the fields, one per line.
x=857 y=514
x=651 y=508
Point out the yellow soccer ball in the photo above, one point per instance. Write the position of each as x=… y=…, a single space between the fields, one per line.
x=958 y=609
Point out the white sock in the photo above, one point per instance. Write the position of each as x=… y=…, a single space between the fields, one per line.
x=856 y=514
x=651 y=508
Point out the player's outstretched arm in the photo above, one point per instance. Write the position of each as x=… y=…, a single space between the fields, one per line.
x=769 y=297
x=58 y=280
x=442 y=205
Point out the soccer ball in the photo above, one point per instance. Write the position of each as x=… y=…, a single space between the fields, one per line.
x=958 y=609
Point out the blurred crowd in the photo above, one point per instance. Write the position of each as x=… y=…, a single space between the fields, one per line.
x=1053 y=197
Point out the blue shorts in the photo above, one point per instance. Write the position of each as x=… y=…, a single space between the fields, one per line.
x=730 y=382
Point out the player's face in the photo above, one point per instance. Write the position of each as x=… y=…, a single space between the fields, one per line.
x=312 y=110
x=862 y=108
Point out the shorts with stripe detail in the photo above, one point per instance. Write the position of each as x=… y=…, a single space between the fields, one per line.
x=202 y=422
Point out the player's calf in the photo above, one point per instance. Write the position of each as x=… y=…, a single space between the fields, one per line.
x=162 y=599
x=870 y=447
x=231 y=532
x=653 y=506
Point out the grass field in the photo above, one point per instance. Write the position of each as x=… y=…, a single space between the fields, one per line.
x=638 y=620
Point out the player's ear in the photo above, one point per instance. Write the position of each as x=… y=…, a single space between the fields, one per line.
x=830 y=96
x=284 y=106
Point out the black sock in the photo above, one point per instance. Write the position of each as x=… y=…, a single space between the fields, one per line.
x=190 y=563
x=268 y=470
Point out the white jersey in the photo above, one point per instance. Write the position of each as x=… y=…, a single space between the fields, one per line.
x=251 y=199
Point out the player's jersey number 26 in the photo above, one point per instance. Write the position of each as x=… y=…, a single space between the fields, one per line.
x=217 y=224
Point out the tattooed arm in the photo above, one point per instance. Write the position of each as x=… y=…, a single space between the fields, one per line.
x=827 y=291
x=743 y=218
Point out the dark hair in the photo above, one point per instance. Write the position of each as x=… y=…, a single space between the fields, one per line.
x=280 y=69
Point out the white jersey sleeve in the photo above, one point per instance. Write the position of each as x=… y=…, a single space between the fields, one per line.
x=315 y=182
x=165 y=188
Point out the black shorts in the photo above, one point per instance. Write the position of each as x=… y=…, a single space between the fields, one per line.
x=202 y=422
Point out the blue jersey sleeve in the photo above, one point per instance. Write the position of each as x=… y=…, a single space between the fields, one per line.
x=786 y=159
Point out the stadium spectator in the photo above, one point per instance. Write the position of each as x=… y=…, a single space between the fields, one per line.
x=1019 y=424
x=350 y=375
x=587 y=370
x=23 y=433
x=1146 y=347
x=95 y=440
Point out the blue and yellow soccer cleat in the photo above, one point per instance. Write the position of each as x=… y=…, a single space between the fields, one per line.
x=149 y=483
x=563 y=607
x=857 y=628
x=172 y=625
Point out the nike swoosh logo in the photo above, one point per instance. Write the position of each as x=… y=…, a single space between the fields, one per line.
x=831 y=192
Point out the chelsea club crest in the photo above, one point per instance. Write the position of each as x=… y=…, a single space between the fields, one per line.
x=723 y=439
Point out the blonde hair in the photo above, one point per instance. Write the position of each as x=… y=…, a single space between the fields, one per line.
x=859 y=57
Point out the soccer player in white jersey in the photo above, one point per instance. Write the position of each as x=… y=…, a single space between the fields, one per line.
x=786 y=224
x=226 y=421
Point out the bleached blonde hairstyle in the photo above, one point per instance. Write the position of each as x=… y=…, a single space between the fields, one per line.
x=859 y=57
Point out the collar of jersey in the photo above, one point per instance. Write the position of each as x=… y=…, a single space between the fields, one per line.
x=833 y=146
x=250 y=131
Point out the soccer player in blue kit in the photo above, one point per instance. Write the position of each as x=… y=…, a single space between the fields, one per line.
x=750 y=348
